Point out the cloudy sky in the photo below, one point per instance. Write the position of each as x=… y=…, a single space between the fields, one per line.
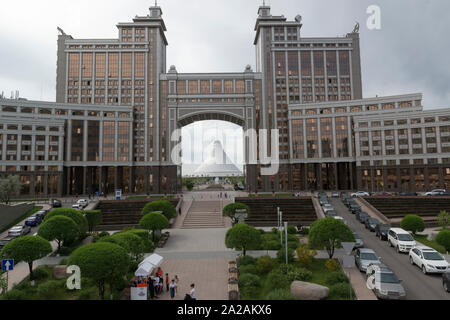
x=409 y=54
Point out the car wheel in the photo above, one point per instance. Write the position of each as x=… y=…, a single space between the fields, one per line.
x=424 y=270
x=398 y=249
x=389 y=243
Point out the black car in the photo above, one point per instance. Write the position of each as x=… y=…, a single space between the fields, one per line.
x=355 y=208
x=349 y=201
x=446 y=281
x=408 y=194
x=381 y=231
x=363 y=216
x=371 y=224
x=57 y=203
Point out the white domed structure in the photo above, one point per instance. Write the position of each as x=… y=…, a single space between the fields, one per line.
x=217 y=163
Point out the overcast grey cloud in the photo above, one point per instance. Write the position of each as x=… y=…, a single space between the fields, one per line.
x=409 y=54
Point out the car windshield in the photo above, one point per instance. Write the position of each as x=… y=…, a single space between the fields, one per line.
x=405 y=237
x=384 y=228
x=388 y=277
x=363 y=215
x=368 y=256
x=373 y=221
x=431 y=255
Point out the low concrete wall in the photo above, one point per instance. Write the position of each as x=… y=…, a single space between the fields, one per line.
x=10 y=213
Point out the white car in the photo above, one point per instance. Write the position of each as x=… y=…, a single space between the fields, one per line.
x=77 y=207
x=401 y=240
x=18 y=231
x=82 y=203
x=327 y=207
x=435 y=192
x=360 y=194
x=428 y=259
x=340 y=218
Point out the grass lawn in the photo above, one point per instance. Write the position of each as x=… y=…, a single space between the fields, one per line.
x=433 y=244
x=48 y=288
x=319 y=273
x=18 y=220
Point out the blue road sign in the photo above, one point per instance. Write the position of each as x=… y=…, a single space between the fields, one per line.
x=7 y=264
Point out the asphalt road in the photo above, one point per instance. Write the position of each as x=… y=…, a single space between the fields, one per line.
x=417 y=285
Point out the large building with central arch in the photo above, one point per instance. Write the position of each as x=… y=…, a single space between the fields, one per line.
x=118 y=105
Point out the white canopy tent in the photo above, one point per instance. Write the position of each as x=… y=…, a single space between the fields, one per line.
x=146 y=267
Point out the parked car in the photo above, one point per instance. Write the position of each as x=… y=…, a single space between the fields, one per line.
x=33 y=221
x=360 y=194
x=363 y=216
x=5 y=241
x=371 y=223
x=428 y=259
x=355 y=208
x=435 y=192
x=364 y=257
x=383 y=194
x=83 y=203
x=359 y=242
x=77 y=206
x=322 y=194
x=18 y=231
x=407 y=194
x=446 y=281
x=381 y=231
x=401 y=240
x=348 y=202
x=341 y=219
x=386 y=284
x=327 y=207
x=335 y=194
x=323 y=200
x=56 y=203
x=41 y=214
x=331 y=213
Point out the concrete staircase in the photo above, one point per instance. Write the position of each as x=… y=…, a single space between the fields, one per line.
x=204 y=214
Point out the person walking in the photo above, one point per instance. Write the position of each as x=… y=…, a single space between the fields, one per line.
x=192 y=292
x=151 y=288
x=172 y=288
x=176 y=282
x=167 y=282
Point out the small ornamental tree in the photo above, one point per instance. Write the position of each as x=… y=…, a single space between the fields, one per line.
x=9 y=187
x=154 y=221
x=102 y=262
x=164 y=206
x=242 y=236
x=230 y=210
x=145 y=236
x=27 y=249
x=129 y=241
x=444 y=219
x=73 y=214
x=443 y=238
x=413 y=223
x=328 y=233
x=59 y=228
x=94 y=218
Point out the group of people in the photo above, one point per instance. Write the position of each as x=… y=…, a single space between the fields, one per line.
x=156 y=284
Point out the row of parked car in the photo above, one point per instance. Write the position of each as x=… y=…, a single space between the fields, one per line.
x=428 y=259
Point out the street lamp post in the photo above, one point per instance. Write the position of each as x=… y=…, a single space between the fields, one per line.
x=281 y=228
x=285 y=236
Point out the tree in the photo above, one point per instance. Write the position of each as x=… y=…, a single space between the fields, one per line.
x=59 y=228
x=9 y=187
x=242 y=236
x=305 y=255
x=27 y=249
x=444 y=219
x=94 y=218
x=145 y=236
x=102 y=262
x=230 y=210
x=328 y=233
x=129 y=241
x=413 y=223
x=164 y=206
x=73 y=214
x=154 y=221
x=443 y=238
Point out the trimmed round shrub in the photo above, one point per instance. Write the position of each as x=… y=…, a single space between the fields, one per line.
x=341 y=290
x=443 y=238
x=129 y=241
x=230 y=210
x=280 y=294
x=47 y=289
x=332 y=265
x=164 y=206
x=61 y=228
x=299 y=274
x=277 y=280
x=73 y=214
x=250 y=268
x=41 y=273
x=154 y=221
x=149 y=246
x=335 y=278
x=245 y=260
x=413 y=223
x=292 y=230
x=281 y=255
x=242 y=237
x=248 y=280
x=265 y=264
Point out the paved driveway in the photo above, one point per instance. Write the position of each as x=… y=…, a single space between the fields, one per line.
x=417 y=285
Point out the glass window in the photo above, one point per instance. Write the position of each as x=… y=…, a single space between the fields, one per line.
x=100 y=65
x=86 y=66
x=74 y=65
x=306 y=63
x=344 y=63
x=113 y=65
x=318 y=63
